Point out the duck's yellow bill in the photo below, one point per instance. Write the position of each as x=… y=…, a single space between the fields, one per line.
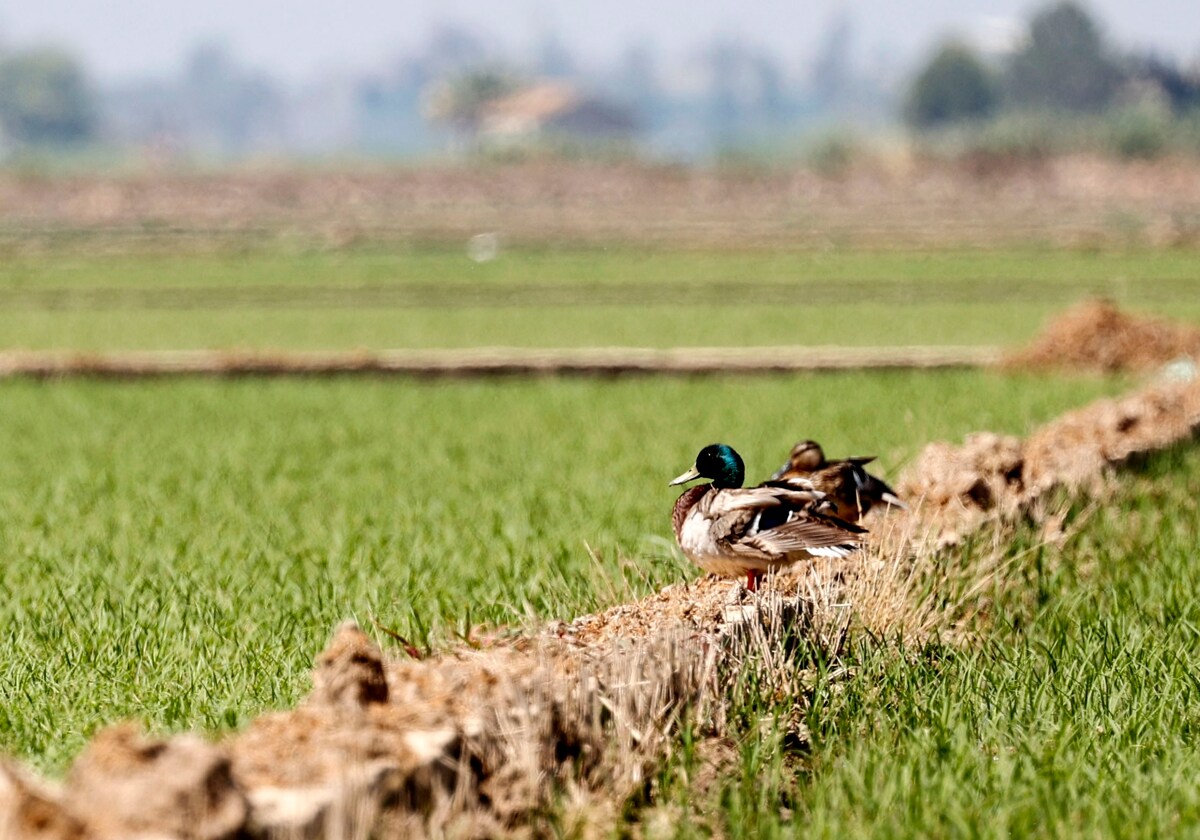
x=687 y=476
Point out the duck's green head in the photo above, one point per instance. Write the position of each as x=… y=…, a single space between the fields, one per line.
x=718 y=462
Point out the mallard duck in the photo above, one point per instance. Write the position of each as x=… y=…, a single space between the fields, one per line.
x=848 y=487
x=730 y=530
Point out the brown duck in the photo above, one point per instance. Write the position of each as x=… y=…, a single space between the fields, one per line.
x=850 y=489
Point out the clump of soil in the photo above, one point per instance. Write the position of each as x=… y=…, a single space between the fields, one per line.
x=1098 y=336
x=955 y=488
x=125 y=785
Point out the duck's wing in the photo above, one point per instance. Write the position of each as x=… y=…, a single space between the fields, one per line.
x=734 y=514
x=794 y=493
x=873 y=489
x=849 y=476
x=857 y=460
x=806 y=533
x=775 y=520
x=792 y=481
x=866 y=488
x=785 y=472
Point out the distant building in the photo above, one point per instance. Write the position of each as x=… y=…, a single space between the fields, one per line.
x=555 y=111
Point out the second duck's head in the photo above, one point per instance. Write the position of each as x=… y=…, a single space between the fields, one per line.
x=807 y=455
x=718 y=462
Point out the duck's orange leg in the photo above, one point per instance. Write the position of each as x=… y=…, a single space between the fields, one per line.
x=752 y=579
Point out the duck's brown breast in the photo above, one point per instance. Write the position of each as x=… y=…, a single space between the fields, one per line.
x=687 y=500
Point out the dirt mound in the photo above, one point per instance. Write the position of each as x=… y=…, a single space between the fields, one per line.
x=1098 y=336
x=479 y=742
x=127 y=786
x=32 y=808
x=957 y=488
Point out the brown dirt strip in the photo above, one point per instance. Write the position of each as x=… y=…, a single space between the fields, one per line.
x=585 y=361
x=1093 y=336
x=896 y=201
x=483 y=740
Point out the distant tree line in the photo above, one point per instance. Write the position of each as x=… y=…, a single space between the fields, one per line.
x=213 y=106
x=45 y=99
x=728 y=95
x=1064 y=65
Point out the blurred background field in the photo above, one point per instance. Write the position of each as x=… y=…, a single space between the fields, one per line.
x=858 y=175
x=425 y=297
x=523 y=179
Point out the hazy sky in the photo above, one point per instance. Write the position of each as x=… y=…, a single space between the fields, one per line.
x=299 y=38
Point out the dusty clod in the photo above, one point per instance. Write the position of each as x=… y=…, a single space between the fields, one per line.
x=33 y=809
x=126 y=784
x=349 y=672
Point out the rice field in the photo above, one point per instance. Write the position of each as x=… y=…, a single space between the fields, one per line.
x=428 y=297
x=177 y=551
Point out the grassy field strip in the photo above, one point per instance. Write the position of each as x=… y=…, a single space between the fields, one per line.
x=974 y=274
x=458 y=295
x=282 y=298
x=495 y=361
x=660 y=327
x=618 y=678
x=176 y=549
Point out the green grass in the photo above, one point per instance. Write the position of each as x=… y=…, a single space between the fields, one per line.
x=178 y=551
x=1077 y=715
x=1130 y=271
x=650 y=326
x=426 y=297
